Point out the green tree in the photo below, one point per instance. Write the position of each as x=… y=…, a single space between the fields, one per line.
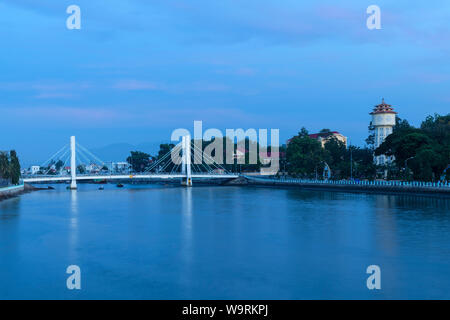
x=14 y=167
x=426 y=164
x=403 y=144
x=81 y=169
x=370 y=141
x=305 y=156
x=139 y=161
x=59 y=165
x=363 y=165
x=4 y=166
x=346 y=162
x=426 y=150
x=336 y=152
x=164 y=149
x=438 y=127
x=401 y=124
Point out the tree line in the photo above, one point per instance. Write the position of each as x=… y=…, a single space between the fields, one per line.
x=9 y=167
x=421 y=154
x=306 y=158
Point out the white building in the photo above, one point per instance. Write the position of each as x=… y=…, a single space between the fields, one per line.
x=120 y=167
x=93 y=168
x=35 y=169
x=383 y=121
x=324 y=137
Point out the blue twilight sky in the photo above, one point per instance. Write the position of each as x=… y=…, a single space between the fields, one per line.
x=140 y=68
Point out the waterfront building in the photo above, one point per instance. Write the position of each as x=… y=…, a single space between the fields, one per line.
x=93 y=168
x=325 y=136
x=120 y=167
x=383 y=122
x=35 y=169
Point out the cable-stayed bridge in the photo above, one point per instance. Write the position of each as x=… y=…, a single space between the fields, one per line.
x=175 y=164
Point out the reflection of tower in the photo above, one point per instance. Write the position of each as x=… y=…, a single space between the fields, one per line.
x=383 y=121
x=187 y=252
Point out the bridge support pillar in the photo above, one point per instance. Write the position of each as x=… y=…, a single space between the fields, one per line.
x=183 y=155
x=186 y=161
x=73 y=164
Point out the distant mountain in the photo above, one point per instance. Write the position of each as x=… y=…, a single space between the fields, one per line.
x=120 y=151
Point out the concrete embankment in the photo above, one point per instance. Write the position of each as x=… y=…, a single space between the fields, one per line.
x=358 y=188
x=12 y=191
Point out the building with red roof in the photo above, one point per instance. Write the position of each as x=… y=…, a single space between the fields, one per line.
x=383 y=122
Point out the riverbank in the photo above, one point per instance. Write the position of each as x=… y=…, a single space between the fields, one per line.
x=380 y=187
x=427 y=190
x=14 y=191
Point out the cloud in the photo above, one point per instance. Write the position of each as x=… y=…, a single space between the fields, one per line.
x=431 y=77
x=67 y=113
x=131 y=85
x=59 y=95
x=242 y=71
x=268 y=22
x=47 y=89
x=174 y=88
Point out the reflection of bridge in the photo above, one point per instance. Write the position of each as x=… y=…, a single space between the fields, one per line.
x=182 y=167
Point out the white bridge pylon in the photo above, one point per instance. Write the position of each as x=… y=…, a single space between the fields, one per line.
x=73 y=164
x=182 y=171
x=186 y=160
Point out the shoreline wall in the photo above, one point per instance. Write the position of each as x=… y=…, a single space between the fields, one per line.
x=358 y=188
x=12 y=191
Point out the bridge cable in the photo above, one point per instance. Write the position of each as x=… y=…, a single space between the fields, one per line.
x=53 y=156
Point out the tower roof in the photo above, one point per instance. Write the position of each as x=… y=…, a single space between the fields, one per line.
x=383 y=108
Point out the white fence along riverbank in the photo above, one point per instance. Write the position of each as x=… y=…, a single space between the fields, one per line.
x=362 y=186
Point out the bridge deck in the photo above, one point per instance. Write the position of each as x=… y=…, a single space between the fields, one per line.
x=133 y=176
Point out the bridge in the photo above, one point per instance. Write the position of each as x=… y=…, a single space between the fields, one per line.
x=182 y=167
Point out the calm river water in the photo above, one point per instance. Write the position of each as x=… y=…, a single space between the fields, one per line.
x=165 y=242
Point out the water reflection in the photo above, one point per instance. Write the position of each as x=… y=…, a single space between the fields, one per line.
x=10 y=240
x=385 y=222
x=224 y=242
x=186 y=220
x=9 y=209
x=73 y=225
x=186 y=245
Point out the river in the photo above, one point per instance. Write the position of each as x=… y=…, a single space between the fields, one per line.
x=213 y=242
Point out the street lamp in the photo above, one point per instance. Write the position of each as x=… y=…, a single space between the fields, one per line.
x=406 y=166
x=351 y=160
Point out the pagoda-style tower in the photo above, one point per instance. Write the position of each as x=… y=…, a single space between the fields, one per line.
x=383 y=120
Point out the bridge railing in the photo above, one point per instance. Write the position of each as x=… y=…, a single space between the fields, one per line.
x=405 y=184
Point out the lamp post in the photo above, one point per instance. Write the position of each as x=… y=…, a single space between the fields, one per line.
x=406 y=166
x=351 y=159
